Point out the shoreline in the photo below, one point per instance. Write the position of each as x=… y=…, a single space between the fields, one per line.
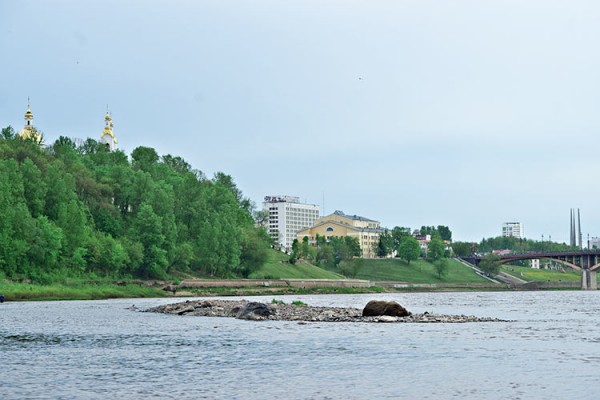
x=16 y=291
x=301 y=313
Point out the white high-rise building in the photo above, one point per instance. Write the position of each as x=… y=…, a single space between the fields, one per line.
x=514 y=229
x=287 y=216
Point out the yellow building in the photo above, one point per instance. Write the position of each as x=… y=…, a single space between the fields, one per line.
x=365 y=230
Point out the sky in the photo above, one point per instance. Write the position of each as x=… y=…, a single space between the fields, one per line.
x=463 y=113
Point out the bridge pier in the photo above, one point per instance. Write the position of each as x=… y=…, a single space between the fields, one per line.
x=588 y=280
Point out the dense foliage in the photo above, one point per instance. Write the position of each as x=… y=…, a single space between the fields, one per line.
x=73 y=210
x=442 y=231
x=516 y=245
x=409 y=249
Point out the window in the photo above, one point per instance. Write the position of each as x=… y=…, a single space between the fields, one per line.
x=329 y=229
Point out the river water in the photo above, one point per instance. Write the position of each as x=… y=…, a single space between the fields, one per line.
x=101 y=349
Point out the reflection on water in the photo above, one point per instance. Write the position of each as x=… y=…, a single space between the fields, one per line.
x=94 y=349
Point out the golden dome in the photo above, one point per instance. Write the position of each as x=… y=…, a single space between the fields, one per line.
x=28 y=114
x=107 y=117
x=30 y=133
x=107 y=131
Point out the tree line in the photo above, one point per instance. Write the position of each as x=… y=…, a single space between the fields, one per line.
x=77 y=209
x=514 y=244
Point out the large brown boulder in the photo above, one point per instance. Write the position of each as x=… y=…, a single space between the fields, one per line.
x=375 y=308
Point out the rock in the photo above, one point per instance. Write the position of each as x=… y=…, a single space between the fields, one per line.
x=254 y=311
x=186 y=310
x=290 y=312
x=375 y=308
x=170 y=288
x=386 y=318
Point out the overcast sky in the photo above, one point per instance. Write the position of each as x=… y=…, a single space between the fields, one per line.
x=460 y=113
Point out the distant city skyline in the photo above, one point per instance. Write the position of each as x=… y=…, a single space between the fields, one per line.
x=465 y=114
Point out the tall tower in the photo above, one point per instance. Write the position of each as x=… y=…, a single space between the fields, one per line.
x=576 y=238
x=107 y=137
x=572 y=229
x=29 y=131
x=579 y=236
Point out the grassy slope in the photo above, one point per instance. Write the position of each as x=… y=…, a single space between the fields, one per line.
x=278 y=268
x=75 y=291
x=419 y=271
x=530 y=274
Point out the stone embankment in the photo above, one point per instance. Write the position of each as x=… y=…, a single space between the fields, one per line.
x=301 y=313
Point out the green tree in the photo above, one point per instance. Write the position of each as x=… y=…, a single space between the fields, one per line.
x=148 y=230
x=295 y=254
x=385 y=244
x=8 y=133
x=178 y=164
x=304 y=248
x=445 y=232
x=441 y=266
x=144 y=158
x=325 y=256
x=255 y=243
x=490 y=264
x=435 y=249
x=409 y=249
x=464 y=249
x=351 y=268
x=76 y=230
x=344 y=248
x=397 y=234
x=34 y=187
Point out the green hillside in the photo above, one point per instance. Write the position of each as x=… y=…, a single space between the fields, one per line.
x=419 y=271
x=542 y=275
x=277 y=267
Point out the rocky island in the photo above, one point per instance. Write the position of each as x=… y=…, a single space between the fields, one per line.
x=374 y=311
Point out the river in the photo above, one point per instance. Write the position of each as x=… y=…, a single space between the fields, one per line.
x=101 y=349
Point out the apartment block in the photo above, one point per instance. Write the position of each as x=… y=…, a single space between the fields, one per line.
x=287 y=216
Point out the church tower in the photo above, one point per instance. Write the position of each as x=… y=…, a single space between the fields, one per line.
x=29 y=131
x=107 y=137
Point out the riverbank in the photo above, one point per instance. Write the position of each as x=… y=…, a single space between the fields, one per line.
x=90 y=290
x=78 y=290
x=279 y=311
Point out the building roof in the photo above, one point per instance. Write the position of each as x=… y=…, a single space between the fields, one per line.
x=351 y=227
x=352 y=217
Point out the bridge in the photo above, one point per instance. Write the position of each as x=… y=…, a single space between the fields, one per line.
x=585 y=261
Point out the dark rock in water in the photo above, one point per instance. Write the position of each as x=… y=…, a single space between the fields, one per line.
x=375 y=308
x=235 y=310
x=1 y=298
x=170 y=288
x=254 y=311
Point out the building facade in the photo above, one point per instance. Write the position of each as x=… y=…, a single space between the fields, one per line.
x=594 y=243
x=366 y=231
x=513 y=229
x=287 y=216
